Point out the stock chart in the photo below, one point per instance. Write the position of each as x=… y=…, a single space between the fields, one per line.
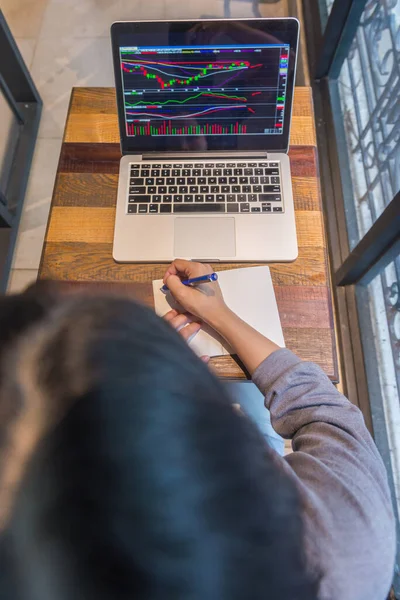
x=204 y=91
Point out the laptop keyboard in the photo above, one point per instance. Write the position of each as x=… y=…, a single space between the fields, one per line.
x=205 y=187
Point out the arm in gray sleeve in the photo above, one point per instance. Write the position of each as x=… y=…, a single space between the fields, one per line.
x=348 y=518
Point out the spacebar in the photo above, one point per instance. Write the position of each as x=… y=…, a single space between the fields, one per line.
x=191 y=208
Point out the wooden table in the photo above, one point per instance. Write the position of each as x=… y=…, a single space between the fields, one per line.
x=79 y=236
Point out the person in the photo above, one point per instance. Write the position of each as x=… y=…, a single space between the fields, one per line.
x=128 y=473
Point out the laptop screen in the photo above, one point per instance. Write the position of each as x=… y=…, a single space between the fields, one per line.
x=215 y=85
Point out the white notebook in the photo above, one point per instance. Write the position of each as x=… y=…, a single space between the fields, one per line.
x=249 y=293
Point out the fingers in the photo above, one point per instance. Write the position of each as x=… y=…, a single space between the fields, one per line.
x=187 y=269
x=190 y=331
x=184 y=324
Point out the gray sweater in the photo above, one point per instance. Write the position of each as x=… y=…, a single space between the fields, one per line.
x=348 y=519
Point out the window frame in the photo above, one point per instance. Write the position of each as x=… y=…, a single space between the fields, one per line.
x=329 y=40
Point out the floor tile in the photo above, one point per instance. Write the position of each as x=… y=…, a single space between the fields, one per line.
x=194 y=9
x=58 y=67
x=24 y=17
x=27 y=48
x=93 y=18
x=20 y=279
x=37 y=203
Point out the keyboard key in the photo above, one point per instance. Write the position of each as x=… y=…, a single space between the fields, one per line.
x=173 y=189
x=278 y=209
x=242 y=198
x=220 y=165
x=214 y=189
x=191 y=181
x=140 y=198
x=149 y=181
x=198 y=165
x=135 y=173
x=233 y=207
x=138 y=181
x=170 y=181
x=217 y=172
x=209 y=198
x=143 y=208
x=220 y=198
x=160 y=181
x=140 y=189
x=183 y=189
x=202 y=180
x=156 y=166
x=146 y=166
x=196 y=172
x=165 y=208
x=264 y=179
x=252 y=164
x=257 y=189
x=225 y=189
x=162 y=189
x=155 y=173
x=207 y=172
x=153 y=208
x=246 y=189
x=238 y=171
x=209 y=165
x=275 y=180
x=228 y=172
x=242 y=165
x=192 y=208
x=271 y=171
x=156 y=198
x=256 y=209
x=175 y=172
x=177 y=166
x=222 y=180
x=271 y=189
x=231 y=197
x=258 y=171
x=236 y=189
x=263 y=164
x=212 y=180
x=252 y=197
x=265 y=208
x=233 y=180
x=270 y=198
x=230 y=165
x=152 y=189
x=188 y=165
x=245 y=208
x=185 y=172
x=254 y=180
x=135 y=166
x=188 y=198
x=248 y=171
x=178 y=198
x=132 y=209
x=165 y=172
x=167 y=198
x=199 y=198
x=204 y=189
x=145 y=172
x=181 y=180
x=243 y=180
x=193 y=189
x=273 y=165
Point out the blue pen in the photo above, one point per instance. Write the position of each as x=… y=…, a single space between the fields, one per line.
x=195 y=280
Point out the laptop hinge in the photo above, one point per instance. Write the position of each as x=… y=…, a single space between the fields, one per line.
x=198 y=155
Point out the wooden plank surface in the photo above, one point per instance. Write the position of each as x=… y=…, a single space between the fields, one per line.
x=78 y=243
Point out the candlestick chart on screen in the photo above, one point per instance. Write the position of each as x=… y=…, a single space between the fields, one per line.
x=204 y=91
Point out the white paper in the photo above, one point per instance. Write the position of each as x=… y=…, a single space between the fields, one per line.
x=249 y=293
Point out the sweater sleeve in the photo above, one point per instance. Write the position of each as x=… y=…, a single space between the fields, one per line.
x=348 y=518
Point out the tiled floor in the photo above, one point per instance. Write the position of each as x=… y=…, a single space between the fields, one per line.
x=66 y=43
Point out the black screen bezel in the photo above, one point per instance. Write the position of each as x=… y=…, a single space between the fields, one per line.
x=287 y=30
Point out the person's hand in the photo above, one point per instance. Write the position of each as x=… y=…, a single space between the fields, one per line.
x=204 y=301
x=185 y=326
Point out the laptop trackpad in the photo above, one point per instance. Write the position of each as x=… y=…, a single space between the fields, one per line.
x=204 y=237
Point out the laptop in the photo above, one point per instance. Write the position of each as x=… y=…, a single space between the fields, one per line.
x=204 y=110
